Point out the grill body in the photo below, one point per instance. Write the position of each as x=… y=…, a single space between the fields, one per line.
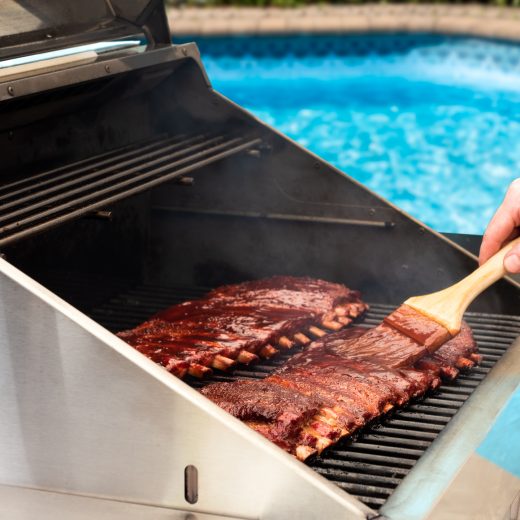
x=127 y=178
x=372 y=465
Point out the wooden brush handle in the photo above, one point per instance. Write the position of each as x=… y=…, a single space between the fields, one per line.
x=486 y=275
x=448 y=306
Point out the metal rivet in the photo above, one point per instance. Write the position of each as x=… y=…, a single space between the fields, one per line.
x=103 y=214
x=49 y=35
x=10 y=90
x=422 y=230
x=316 y=165
x=371 y=212
x=185 y=181
x=107 y=68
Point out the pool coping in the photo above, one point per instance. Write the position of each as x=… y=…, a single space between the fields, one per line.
x=469 y=19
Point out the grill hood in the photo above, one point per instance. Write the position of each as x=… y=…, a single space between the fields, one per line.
x=129 y=169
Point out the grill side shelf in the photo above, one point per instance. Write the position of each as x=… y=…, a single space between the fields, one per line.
x=51 y=198
x=372 y=464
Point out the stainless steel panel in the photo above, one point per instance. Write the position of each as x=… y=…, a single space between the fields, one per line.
x=27 y=504
x=81 y=411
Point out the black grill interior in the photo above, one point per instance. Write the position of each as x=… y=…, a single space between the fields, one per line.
x=369 y=466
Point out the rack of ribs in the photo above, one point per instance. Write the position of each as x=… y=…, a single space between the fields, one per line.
x=242 y=322
x=339 y=383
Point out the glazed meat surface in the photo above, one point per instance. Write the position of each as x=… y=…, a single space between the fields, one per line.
x=239 y=323
x=354 y=375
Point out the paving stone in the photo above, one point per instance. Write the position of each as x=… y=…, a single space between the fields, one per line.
x=496 y=22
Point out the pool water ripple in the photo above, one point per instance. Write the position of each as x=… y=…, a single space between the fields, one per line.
x=434 y=126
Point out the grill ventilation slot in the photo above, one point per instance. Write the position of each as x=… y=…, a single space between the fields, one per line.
x=41 y=201
x=373 y=464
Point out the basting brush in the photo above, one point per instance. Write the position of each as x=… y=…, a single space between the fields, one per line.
x=434 y=318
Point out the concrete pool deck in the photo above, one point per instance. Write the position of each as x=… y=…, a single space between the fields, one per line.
x=475 y=20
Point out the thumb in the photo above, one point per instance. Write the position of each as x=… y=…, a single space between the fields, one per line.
x=512 y=260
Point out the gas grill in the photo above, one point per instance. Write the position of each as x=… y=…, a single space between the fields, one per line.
x=128 y=185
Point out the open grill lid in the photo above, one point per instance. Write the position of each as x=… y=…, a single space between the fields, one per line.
x=31 y=26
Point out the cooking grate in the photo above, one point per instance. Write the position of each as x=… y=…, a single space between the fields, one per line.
x=38 y=202
x=373 y=464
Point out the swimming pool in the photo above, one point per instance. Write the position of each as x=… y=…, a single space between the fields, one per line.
x=431 y=123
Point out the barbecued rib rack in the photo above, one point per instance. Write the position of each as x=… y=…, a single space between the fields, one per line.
x=53 y=197
x=371 y=465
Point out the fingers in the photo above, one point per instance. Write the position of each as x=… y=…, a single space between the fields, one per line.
x=504 y=224
x=512 y=260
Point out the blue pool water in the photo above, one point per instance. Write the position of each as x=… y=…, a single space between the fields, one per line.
x=431 y=123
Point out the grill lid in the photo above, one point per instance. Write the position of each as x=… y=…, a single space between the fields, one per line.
x=32 y=26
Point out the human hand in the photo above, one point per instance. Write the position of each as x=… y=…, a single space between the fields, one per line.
x=504 y=226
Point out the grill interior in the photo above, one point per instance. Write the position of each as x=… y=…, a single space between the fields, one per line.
x=369 y=466
x=56 y=196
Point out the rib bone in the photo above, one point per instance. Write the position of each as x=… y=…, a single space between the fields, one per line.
x=340 y=311
x=222 y=363
x=477 y=358
x=199 y=371
x=317 y=332
x=246 y=357
x=285 y=342
x=304 y=452
x=332 y=325
x=301 y=339
x=268 y=352
x=463 y=363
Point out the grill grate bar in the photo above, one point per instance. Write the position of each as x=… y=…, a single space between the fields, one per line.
x=361 y=446
x=9 y=189
x=371 y=465
x=419 y=427
x=366 y=459
x=356 y=478
x=373 y=502
x=441 y=403
x=424 y=413
x=362 y=467
x=54 y=180
x=49 y=201
x=100 y=178
x=362 y=489
x=376 y=439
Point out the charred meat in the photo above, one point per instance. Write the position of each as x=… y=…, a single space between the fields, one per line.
x=239 y=323
x=352 y=377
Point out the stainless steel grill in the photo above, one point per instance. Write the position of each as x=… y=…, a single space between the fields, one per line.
x=79 y=406
x=371 y=465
